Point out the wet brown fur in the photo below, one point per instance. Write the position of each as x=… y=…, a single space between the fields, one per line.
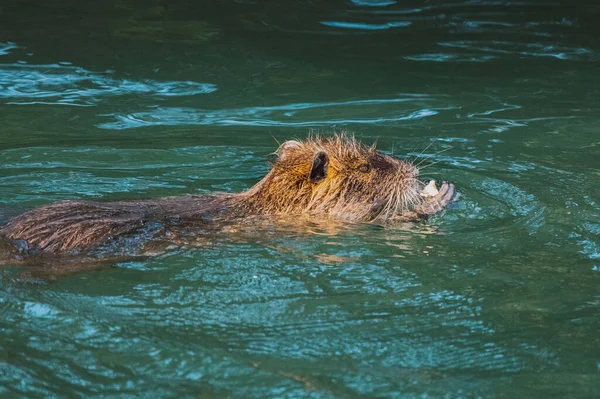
x=335 y=176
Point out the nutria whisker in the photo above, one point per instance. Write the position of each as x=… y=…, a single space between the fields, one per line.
x=424 y=149
x=401 y=201
x=334 y=177
x=415 y=198
x=392 y=202
x=410 y=152
x=431 y=164
x=277 y=141
x=409 y=198
x=432 y=155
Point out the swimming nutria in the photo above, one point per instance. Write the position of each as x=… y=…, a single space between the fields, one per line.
x=336 y=177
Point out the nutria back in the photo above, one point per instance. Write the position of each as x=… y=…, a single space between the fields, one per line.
x=335 y=177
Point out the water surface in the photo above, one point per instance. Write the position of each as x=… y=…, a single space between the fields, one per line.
x=498 y=297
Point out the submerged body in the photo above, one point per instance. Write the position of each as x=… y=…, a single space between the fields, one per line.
x=335 y=177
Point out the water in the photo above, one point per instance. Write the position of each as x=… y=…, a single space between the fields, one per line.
x=496 y=298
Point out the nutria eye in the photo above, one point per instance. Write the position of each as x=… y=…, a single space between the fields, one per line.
x=365 y=168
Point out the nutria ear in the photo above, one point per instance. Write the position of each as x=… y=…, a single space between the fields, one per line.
x=319 y=168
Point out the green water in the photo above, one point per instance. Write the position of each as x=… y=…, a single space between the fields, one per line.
x=497 y=298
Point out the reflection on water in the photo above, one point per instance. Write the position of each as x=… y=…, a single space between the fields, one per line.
x=443 y=57
x=70 y=85
x=356 y=25
x=6 y=47
x=484 y=29
x=526 y=49
x=497 y=297
x=46 y=174
x=284 y=115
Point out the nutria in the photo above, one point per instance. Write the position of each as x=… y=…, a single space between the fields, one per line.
x=336 y=177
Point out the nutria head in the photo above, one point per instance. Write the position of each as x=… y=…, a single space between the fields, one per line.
x=340 y=177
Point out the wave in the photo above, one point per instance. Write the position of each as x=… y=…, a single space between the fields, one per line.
x=300 y=114
x=60 y=84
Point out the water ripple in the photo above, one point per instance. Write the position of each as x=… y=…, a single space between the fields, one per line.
x=534 y=30
x=449 y=57
x=524 y=49
x=364 y=26
x=50 y=172
x=299 y=114
x=70 y=85
x=374 y=3
x=6 y=47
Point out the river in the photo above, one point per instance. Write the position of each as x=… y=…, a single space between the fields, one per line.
x=498 y=297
